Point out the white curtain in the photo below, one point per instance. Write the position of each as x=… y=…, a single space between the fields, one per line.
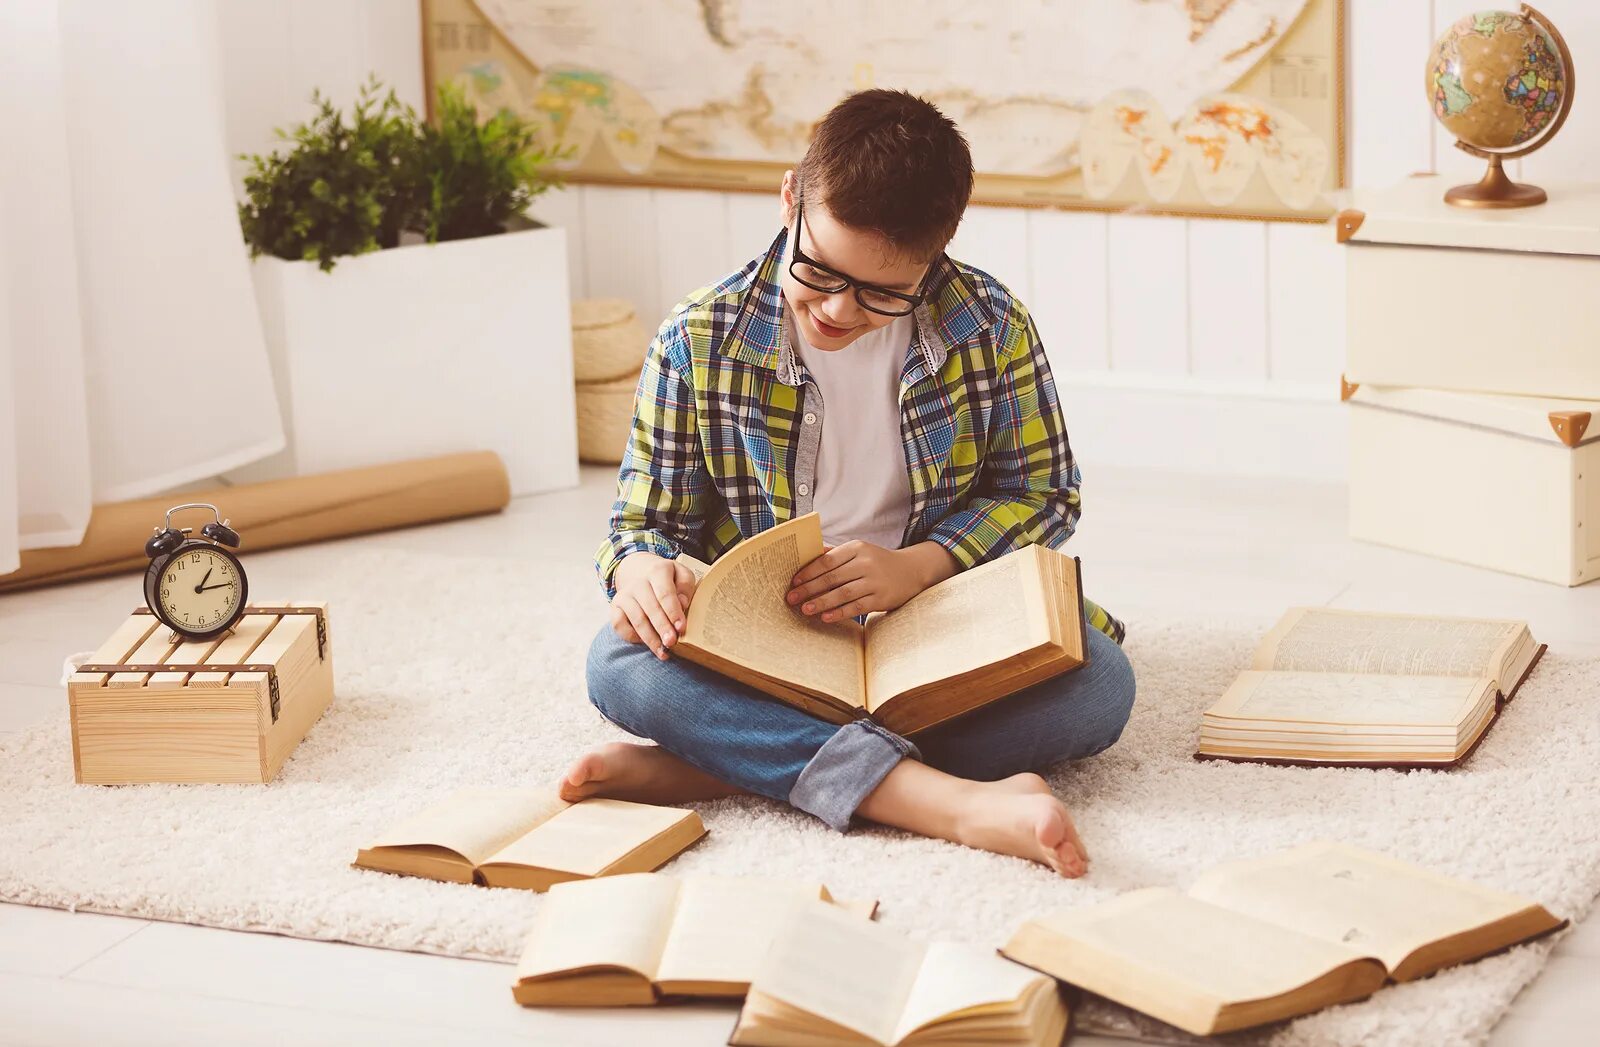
x=131 y=352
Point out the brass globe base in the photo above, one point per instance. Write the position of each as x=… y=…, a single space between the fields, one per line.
x=1495 y=190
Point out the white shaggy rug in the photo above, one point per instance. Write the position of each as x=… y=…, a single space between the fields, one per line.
x=423 y=707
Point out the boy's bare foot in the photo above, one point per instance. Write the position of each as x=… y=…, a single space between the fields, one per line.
x=1020 y=816
x=642 y=773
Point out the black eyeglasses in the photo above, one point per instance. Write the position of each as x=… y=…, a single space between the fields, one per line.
x=819 y=277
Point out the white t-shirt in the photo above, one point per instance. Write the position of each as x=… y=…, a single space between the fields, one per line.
x=862 y=489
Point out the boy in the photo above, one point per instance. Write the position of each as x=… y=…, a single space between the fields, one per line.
x=943 y=448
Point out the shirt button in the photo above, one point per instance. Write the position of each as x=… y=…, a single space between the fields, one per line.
x=811 y=417
x=804 y=488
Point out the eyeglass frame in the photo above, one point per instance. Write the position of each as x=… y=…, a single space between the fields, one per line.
x=911 y=300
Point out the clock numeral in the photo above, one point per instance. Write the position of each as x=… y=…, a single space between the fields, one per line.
x=182 y=564
x=171 y=577
x=194 y=558
x=165 y=591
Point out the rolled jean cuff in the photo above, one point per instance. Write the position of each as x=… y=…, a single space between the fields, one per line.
x=846 y=769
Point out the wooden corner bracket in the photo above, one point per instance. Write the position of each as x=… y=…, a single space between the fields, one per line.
x=1569 y=425
x=1346 y=223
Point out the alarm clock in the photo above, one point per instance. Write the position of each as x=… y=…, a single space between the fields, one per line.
x=195 y=586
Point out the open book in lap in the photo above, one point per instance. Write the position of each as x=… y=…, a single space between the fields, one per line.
x=629 y=940
x=530 y=838
x=1357 y=688
x=830 y=979
x=977 y=636
x=1263 y=940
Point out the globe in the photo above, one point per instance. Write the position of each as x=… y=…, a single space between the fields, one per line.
x=1497 y=81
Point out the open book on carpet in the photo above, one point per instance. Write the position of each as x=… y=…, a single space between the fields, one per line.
x=980 y=635
x=1262 y=940
x=628 y=940
x=829 y=978
x=1357 y=688
x=530 y=838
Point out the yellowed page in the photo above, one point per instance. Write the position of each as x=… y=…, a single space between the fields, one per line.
x=1355 y=897
x=588 y=836
x=724 y=925
x=739 y=612
x=1322 y=640
x=846 y=970
x=613 y=921
x=475 y=823
x=1350 y=698
x=1157 y=935
x=956 y=977
x=970 y=620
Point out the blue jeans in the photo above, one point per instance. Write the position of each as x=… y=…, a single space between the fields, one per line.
x=745 y=738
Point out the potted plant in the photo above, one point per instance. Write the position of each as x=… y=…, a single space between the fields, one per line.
x=410 y=306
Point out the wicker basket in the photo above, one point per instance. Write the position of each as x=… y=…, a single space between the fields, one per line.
x=608 y=342
x=605 y=415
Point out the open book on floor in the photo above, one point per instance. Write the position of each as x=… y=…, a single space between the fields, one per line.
x=1258 y=941
x=629 y=940
x=530 y=838
x=977 y=636
x=828 y=978
x=1357 y=688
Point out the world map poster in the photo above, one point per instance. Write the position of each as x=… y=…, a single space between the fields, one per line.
x=1192 y=107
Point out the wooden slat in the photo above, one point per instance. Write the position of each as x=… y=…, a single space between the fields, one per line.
x=155 y=648
x=1306 y=304
x=128 y=636
x=283 y=637
x=187 y=653
x=754 y=220
x=240 y=647
x=995 y=240
x=619 y=224
x=1391 y=128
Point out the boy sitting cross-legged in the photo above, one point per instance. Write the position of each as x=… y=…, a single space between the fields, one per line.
x=856 y=370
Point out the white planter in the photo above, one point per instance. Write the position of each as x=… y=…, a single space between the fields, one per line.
x=423 y=350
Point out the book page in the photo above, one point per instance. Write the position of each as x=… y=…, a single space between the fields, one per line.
x=616 y=920
x=972 y=619
x=724 y=925
x=955 y=977
x=1355 y=897
x=739 y=612
x=841 y=968
x=588 y=836
x=476 y=822
x=1156 y=937
x=1320 y=640
x=1350 y=698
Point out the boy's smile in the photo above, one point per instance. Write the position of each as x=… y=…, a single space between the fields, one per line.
x=831 y=322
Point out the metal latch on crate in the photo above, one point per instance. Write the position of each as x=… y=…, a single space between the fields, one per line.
x=191 y=667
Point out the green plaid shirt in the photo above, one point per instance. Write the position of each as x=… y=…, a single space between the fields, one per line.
x=727 y=424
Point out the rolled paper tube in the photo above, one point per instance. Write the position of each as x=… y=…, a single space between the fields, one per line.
x=277 y=513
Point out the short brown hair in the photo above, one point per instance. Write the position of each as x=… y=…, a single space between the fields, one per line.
x=891 y=163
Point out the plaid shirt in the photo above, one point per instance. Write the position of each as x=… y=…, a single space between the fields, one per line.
x=725 y=429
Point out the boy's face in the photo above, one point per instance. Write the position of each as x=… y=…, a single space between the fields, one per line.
x=832 y=321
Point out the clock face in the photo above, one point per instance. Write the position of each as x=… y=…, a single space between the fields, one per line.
x=200 y=589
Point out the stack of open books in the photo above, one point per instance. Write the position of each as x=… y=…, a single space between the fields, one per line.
x=1353 y=688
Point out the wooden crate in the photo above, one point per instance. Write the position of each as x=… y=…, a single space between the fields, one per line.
x=151 y=707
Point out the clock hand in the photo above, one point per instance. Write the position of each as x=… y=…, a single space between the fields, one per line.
x=198 y=588
x=208 y=588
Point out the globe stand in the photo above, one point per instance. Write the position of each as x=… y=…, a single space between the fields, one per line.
x=1495 y=190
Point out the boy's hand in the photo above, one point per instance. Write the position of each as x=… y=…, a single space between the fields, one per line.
x=858 y=577
x=652 y=601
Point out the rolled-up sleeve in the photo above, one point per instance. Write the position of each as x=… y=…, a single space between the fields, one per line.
x=660 y=503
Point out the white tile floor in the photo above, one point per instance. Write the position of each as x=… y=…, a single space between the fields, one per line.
x=1150 y=543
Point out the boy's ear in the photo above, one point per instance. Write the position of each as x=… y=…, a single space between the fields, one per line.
x=786 y=198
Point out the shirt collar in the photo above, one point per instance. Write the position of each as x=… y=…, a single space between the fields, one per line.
x=950 y=315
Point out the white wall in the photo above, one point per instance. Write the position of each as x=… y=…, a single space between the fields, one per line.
x=1232 y=327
